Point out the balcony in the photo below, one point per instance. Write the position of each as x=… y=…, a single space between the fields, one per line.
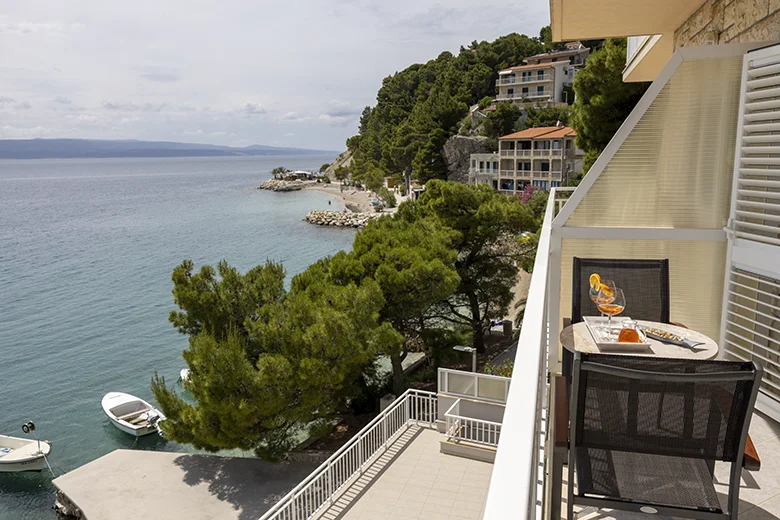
x=527 y=95
x=526 y=79
x=516 y=153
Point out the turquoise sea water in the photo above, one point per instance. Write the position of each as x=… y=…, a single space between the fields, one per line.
x=86 y=252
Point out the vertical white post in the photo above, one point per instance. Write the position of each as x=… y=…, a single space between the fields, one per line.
x=330 y=483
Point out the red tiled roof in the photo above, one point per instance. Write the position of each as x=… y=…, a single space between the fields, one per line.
x=548 y=132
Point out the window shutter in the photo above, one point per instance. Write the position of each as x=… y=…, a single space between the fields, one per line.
x=750 y=328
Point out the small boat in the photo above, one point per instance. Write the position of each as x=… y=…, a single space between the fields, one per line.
x=184 y=374
x=18 y=455
x=132 y=414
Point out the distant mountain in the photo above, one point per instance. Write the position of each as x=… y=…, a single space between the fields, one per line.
x=93 y=148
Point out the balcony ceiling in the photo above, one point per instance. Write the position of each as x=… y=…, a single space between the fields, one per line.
x=595 y=19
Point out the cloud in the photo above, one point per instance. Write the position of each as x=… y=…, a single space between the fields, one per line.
x=62 y=100
x=84 y=118
x=252 y=109
x=132 y=107
x=193 y=132
x=342 y=109
x=10 y=132
x=129 y=120
x=290 y=134
x=161 y=77
x=23 y=28
x=334 y=121
x=5 y=99
x=187 y=108
x=24 y=105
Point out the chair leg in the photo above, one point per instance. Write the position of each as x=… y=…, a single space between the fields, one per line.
x=557 y=483
x=570 y=490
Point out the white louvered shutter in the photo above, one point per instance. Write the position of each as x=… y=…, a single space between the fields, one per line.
x=751 y=313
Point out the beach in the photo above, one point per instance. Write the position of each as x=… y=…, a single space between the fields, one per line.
x=355 y=200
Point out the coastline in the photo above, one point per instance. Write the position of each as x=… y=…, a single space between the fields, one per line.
x=354 y=200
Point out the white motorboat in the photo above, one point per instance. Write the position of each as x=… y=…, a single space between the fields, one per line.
x=131 y=414
x=18 y=455
x=184 y=375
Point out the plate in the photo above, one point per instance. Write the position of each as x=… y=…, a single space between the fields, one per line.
x=597 y=326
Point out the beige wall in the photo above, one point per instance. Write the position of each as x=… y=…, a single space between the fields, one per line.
x=733 y=21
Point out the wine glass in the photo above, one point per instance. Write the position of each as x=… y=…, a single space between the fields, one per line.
x=594 y=293
x=611 y=302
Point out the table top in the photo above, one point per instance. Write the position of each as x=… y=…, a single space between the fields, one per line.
x=578 y=337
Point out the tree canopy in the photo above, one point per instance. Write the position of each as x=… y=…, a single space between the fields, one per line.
x=266 y=367
x=419 y=108
x=603 y=100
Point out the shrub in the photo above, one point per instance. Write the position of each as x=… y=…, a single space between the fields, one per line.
x=388 y=197
x=503 y=369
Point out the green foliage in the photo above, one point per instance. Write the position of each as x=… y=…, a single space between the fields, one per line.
x=502 y=121
x=484 y=226
x=503 y=369
x=388 y=197
x=326 y=179
x=538 y=203
x=324 y=167
x=297 y=356
x=603 y=100
x=341 y=173
x=546 y=116
x=420 y=107
x=217 y=301
x=485 y=102
x=279 y=171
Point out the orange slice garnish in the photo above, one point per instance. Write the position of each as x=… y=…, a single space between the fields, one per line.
x=595 y=281
x=606 y=290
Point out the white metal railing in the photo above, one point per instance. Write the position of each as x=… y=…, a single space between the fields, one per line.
x=484 y=170
x=518 y=469
x=461 y=428
x=507 y=152
x=472 y=384
x=318 y=489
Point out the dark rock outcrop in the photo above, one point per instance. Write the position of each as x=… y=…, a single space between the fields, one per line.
x=457 y=151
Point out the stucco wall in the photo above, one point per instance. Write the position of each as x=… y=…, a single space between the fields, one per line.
x=733 y=21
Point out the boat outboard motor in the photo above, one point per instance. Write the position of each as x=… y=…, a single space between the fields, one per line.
x=28 y=427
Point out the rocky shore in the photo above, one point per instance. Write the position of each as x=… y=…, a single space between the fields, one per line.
x=340 y=219
x=281 y=185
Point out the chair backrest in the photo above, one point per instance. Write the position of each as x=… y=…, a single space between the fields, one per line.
x=644 y=282
x=660 y=406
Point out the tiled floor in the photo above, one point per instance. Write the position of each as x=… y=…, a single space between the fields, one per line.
x=760 y=490
x=414 y=480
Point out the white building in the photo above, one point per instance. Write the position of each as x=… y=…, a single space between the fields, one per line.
x=544 y=157
x=543 y=78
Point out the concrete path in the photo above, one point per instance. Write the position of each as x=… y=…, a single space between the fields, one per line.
x=171 y=486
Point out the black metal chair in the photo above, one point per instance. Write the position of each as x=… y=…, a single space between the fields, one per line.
x=627 y=459
x=644 y=282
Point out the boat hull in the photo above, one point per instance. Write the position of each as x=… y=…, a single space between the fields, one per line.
x=138 y=432
x=122 y=410
x=21 y=466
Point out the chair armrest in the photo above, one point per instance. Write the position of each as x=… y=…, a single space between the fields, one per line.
x=561 y=414
x=751 y=461
x=677 y=324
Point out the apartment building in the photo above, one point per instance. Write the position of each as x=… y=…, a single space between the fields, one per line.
x=544 y=78
x=543 y=157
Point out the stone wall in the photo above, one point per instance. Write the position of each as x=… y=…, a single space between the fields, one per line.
x=731 y=21
x=457 y=154
x=340 y=218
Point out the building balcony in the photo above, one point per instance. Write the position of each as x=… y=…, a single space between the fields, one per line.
x=535 y=95
x=524 y=80
x=516 y=153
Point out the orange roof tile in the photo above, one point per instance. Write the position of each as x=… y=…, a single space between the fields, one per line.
x=548 y=132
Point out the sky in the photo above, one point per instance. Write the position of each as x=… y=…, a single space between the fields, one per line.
x=282 y=73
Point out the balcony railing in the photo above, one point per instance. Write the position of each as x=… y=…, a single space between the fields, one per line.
x=518 y=471
x=473 y=385
x=521 y=79
x=318 y=489
x=461 y=428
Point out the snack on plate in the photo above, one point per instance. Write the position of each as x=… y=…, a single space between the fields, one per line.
x=662 y=334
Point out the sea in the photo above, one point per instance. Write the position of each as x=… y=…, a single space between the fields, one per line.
x=87 y=247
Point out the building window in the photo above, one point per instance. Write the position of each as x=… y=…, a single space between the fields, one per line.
x=525 y=90
x=540 y=89
x=510 y=91
x=507 y=184
x=495 y=184
x=495 y=165
x=541 y=184
x=556 y=144
x=540 y=74
x=524 y=145
x=524 y=166
x=555 y=184
x=568 y=144
x=545 y=166
x=542 y=145
x=481 y=165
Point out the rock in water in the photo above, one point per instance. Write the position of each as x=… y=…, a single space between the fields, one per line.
x=339 y=218
x=281 y=185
